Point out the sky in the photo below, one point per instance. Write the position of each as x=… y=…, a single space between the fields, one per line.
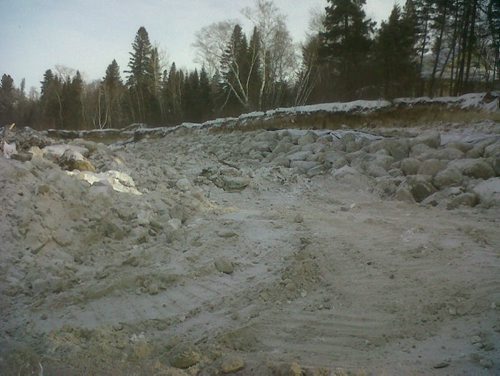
x=36 y=35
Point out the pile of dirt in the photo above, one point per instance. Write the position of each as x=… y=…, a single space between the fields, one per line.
x=262 y=252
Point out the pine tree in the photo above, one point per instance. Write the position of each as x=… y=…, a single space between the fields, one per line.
x=346 y=44
x=254 y=79
x=171 y=95
x=72 y=114
x=205 y=96
x=6 y=100
x=51 y=100
x=139 y=81
x=235 y=71
x=113 y=91
x=394 y=52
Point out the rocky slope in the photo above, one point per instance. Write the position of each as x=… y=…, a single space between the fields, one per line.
x=261 y=252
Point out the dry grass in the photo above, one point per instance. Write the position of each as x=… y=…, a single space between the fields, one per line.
x=392 y=117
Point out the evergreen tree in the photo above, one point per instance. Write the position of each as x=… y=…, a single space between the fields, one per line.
x=394 y=51
x=154 y=79
x=72 y=114
x=51 y=100
x=113 y=91
x=254 y=80
x=205 y=96
x=139 y=80
x=171 y=94
x=235 y=70
x=346 y=44
x=7 y=98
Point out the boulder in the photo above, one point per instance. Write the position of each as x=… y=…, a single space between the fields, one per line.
x=223 y=265
x=462 y=146
x=420 y=186
x=398 y=149
x=464 y=199
x=283 y=146
x=299 y=156
x=410 y=166
x=185 y=358
x=475 y=168
x=333 y=159
x=431 y=167
x=183 y=184
x=73 y=160
x=232 y=183
x=375 y=170
x=488 y=192
x=303 y=166
x=232 y=364
x=446 y=154
x=492 y=150
x=431 y=139
x=449 y=177
x=418 y=150
x=308 y=138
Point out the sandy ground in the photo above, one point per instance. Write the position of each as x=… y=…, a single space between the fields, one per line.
x=291 y=275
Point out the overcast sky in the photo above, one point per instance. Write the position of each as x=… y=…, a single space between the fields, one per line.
x=36 y=35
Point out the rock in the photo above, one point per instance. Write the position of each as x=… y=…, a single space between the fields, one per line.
x=475 y=168
x=447 y=154
x=488 y=192
x=486 y=363
x=449 y=177
x=403 y=194
x=299 y=156
x=232 y=364
x=73 y=160
x=283 y=146
x=185 y=358
x=183 y=184
x=308 y=138
x=419 y=150
x=410 y=166
x=223 y=265
x=475 y=339
x=172 y=372
x=174 y=224
x=374 y=170
x=233 y=183
x=441 y=365
x=462 y=146
x=431 y=167
x=492 y=150
x=496 y=165
x=333 y=160
x=387 y=186
x=420 y=187
x=294 y=370
x=304 y=166
x=315 y=171
x=22 y=156
x=398 y=149
x=27 y=138
x=55 y=152
x=476 y=152
x=431 y=139
x=227 y=234
x=298 y=218
x=464 y=199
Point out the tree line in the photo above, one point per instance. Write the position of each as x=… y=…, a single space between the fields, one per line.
x=426 y=47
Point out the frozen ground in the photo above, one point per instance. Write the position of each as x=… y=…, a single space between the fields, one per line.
x=257 y=253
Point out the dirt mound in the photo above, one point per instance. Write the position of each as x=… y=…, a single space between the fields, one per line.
x=258 y=252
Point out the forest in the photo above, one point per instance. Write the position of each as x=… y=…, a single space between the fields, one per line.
x=426 y=47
